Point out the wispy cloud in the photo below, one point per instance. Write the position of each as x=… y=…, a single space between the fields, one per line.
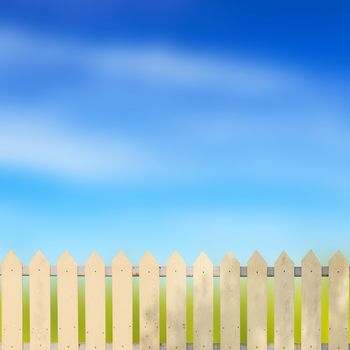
x=154 y=63
x=30 y=142
x=265 y=119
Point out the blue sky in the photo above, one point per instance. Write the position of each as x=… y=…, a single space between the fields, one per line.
x=178 y=126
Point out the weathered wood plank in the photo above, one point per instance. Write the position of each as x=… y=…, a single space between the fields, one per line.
x=11 y=302
x=176 y=303
x=257 y=303
x=149 y=303
x=95 y=303
x=284 y=303
x=203 y=303
x=230 y=303
x=67 y=303
x=338 y=303
x=39 y=302
x=122 y=302
x=311 y=303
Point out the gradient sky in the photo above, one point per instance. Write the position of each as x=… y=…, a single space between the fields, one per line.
x=174 y=125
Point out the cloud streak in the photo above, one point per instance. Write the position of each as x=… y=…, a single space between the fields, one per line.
x=52 y=147
x=263 y=119
x=154 y=63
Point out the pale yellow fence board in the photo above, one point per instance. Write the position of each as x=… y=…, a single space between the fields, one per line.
x=257 y=303
x=230 y=303
x=176 y=303
x=149 y=303
x=311 y=303
x=122 y=302
x=39 y=302
x=203 y=303
x=95 y=303
x=67 y=303
x=11 y=290
x=284 y=303
x=338 y=303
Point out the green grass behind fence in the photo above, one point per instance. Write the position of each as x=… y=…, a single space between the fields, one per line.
x=189 y=307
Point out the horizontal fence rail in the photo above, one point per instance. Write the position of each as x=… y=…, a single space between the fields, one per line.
x=175 y=321
x=216 y=346
x=270 y=271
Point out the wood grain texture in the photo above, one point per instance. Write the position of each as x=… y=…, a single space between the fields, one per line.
x=67 y=303
x=149 y=303
x=39 y=302
x=257 y=303
x=176 y=303
x=122 y=302
x=230 y=303
x=311 y=303
x=95 y=303
x=11 y=302
x=203 y=303
x=338 y=303
x=284 y=303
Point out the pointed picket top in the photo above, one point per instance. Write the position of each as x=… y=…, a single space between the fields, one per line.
x=176 y=263
x=94 y=260
x=203 y=266
x=121 y=265
x=176 y=260
x=149 y=259
x=202 y=259
x=66 y=260
x=310 y=264
x=229 y=260
x=256 y=260
x=310 y=259
x=284 y=260
x=121 y=259
x=39 y=260
x=338 y=259
x=11 y=259
x=229 y=266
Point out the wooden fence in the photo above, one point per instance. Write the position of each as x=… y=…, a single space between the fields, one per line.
x=149 y=272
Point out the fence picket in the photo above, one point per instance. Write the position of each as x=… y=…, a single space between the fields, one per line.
x=11 y=302
x=311 y=303
x=176 y=303
x=176 y=273
x=149 y=303
x=95 y=303
x=284 y=303
x=203 y=303
x=39 y=302
x=338 y=302
x=230 y=303
x=122 y=302
x=67 y=303
x=257 y=303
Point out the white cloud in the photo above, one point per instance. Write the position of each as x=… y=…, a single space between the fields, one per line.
x=170 y=66
x=189 y=147
x=30 y=142
x=154 y=63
